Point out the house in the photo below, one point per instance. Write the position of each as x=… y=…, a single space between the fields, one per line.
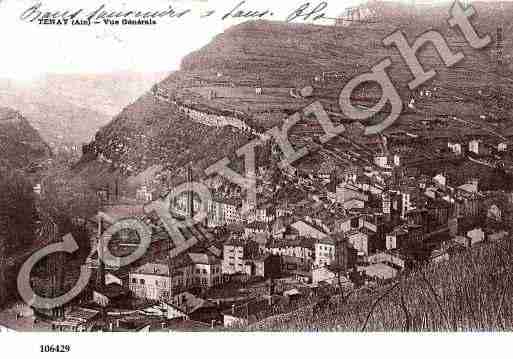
x=329 y=276
x=361 y=240
x=347 y=194
x=324 y=251
x=109 y=294
x=440 y=179
x=254 y=228
x=390 y=258
x=380 y=271
x=304 y=277
x=263 y=266
x=172 y=311
x=472 y=237
x=143 y=194
x=192 y=270
x=455 y=147
x=295 y=254
x=395 y=238
x=250 y=312
x=222 y=211
x=263 y=214
x=195 y=308
x=77 y=319
x=235 y=254
x=347 y=223
x=476 y=236
x=439 y=211
x=150 y=281
x=308 y=230
x=402 y=234
x=354 y=203
x=207 y=270
x=470 y=187
x=381 y=161
x=474 y=146
x=467 y=204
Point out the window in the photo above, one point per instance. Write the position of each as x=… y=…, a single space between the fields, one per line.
x=142 y=281
x=198 y=271
x=204 y=271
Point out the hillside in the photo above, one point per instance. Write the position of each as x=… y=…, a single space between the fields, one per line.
x=221 y=80
x=20 y=144
x=470 y=292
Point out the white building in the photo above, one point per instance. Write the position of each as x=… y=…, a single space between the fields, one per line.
x=235 y=255
x=326 y=275
x=455 y=147
x=193 y=270
x=359 y=239
x=324 y=252
x=143 y=194
x=473 y=146
x=306 y=230
x=381 y=161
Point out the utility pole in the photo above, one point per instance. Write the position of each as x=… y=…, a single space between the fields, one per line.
x=100 y=274
x=190 y=193
x=169 y=264
x=3 y=268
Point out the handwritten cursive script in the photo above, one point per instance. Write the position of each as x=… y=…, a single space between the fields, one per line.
x=37 y=13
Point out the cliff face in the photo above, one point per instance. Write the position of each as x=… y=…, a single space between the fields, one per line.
x=20 y=144
x=223 y=78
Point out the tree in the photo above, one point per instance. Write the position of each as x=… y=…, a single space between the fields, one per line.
x=17 y=221
x=66 y=198
x=17 y=211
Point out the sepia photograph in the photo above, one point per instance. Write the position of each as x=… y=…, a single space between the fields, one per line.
x=255 y=167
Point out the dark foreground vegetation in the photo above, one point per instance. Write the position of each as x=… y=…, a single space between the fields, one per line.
x=473 y=291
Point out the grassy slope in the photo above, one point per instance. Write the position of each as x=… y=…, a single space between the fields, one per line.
x=470 y=292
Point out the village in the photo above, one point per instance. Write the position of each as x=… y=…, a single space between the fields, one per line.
x=335 y=231
x=355 y=215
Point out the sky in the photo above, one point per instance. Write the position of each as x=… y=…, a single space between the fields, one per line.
x=30 y=50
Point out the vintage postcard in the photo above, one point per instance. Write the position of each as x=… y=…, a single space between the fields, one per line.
x=255 y=166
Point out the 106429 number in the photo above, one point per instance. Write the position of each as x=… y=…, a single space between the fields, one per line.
x=55 y=348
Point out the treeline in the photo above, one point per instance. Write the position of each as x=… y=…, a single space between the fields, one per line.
x=18 y=217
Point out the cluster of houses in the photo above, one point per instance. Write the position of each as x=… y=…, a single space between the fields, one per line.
x=358 y=226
